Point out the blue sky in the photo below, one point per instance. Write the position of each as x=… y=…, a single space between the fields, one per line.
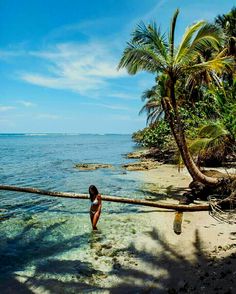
x=58 y=61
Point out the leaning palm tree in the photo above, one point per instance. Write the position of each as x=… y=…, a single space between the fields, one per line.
x=151 y=51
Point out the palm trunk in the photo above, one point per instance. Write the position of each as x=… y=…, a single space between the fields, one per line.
x=178 y=207
x=178 y=133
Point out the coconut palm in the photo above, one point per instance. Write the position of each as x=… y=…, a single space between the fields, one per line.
x=228 y=23
x=151 y=51
x=154 y=98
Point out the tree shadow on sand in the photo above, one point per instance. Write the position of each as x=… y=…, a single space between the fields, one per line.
x=171 y=272
x=36 y=250
x=156 y=192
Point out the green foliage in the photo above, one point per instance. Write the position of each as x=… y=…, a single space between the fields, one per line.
x=212 y=143
x=225 y=101
x=227 y=22
x=156 y=135
x=186 y=71
x=195 y=115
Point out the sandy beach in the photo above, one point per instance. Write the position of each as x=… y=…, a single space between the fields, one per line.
x=202 y=259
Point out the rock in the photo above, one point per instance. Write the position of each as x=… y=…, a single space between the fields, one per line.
x=141 y=165
x=117 y=266
x=91 y=166
x=107 y=246
x=137 y=154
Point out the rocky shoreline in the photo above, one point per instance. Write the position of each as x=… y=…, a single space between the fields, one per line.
x=91 y=166
x=146 y=161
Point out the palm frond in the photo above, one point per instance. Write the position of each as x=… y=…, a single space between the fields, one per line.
x=212 y=130
x=186 y=40
x=199 y=144
x=154 y=116
x=150 y=35
x=211 y=141
x=149 y=93
x=154 y=112
x=217 y=64
x=208 y=37
x=172 y=34
x=137 y=58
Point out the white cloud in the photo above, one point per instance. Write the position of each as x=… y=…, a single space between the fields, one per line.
x=27 y=103
x=83 y=68
x=6 y=108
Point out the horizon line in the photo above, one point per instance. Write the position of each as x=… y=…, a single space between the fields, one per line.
x=59 y=133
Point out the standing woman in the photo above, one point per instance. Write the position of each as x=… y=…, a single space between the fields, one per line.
x=96 y=205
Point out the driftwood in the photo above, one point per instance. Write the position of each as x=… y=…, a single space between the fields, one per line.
x=177 y=207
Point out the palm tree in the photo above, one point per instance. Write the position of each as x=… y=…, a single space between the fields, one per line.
x=154 y=98
x=228 y=23
x=151 y=51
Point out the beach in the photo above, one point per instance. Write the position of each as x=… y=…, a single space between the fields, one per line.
x=47 y=244
x=136 y=253
x=115 y=117
x=202 y=259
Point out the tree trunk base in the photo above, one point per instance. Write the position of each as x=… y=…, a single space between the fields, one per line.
x=224 y=191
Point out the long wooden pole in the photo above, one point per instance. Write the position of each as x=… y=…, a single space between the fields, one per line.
x=177 y=207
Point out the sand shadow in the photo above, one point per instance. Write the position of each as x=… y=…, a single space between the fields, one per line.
x=171 y=272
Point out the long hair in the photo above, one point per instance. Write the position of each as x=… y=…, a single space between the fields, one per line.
x=93 y=192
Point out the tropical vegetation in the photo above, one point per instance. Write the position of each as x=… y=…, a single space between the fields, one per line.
x=193 y=98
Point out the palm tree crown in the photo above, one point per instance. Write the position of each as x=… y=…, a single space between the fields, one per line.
x=152 y=51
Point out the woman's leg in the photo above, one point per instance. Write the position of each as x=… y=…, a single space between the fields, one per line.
x=95 y=219
x=91 y=217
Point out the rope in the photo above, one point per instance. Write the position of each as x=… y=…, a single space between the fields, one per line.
x=225 y=216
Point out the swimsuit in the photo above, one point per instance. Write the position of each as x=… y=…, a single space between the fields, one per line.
x=95 y=202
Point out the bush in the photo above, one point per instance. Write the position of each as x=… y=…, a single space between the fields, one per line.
x=155 y=135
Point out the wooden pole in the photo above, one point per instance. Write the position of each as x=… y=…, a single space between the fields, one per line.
x=178 y=207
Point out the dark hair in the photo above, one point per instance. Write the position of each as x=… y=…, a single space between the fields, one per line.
x=93 y=192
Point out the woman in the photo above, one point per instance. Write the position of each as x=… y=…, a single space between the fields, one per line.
x=96 y=205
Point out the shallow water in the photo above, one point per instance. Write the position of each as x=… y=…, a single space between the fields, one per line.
x=49 y=239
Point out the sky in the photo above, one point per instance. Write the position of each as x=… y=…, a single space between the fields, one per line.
x=58 y=61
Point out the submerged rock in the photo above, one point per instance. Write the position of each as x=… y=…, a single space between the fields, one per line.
x=91 y=166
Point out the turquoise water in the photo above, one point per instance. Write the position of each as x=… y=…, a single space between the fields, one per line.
x=47 y=162
x=50 y=239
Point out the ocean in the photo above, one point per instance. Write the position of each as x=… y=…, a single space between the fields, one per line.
x=37 y=233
